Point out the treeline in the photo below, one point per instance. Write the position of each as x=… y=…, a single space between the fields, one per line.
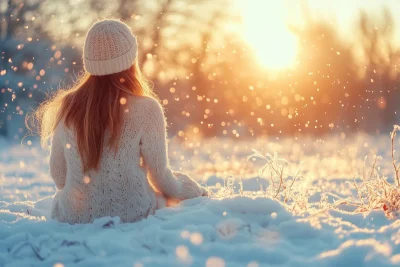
x=206 y=76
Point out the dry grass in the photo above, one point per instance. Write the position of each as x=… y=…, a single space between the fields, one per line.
x=394 y=161
x=284 y=186
x=373 y=190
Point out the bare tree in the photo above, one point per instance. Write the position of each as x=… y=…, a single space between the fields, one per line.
x=380 y=57
x=14 y=16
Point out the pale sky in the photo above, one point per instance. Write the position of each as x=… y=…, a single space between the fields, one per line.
x=345 y=13
x=265 y=23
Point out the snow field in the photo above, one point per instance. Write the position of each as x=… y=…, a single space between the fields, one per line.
x=232 y=228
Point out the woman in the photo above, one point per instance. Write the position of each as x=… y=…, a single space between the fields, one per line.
x=108 y=151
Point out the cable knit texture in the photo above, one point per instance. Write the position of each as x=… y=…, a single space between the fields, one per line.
x=123 y=186
x=110 y=47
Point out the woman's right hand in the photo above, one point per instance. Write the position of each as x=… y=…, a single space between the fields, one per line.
x=190 y=188
x=205 y=192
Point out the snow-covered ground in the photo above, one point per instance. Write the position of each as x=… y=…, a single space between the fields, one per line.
x=237 y=226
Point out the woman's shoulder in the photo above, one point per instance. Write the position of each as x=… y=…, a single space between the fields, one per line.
x=146 y=104
x=146 y=100
x=61 y=130
x=143 y=109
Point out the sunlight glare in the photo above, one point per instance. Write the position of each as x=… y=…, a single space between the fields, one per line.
x=265 y=29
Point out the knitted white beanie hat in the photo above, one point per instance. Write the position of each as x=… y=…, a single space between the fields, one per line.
x=110 y=47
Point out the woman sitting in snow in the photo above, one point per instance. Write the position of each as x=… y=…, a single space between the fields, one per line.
x=108 y=151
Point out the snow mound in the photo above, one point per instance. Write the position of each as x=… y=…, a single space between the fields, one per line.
x=236 y=231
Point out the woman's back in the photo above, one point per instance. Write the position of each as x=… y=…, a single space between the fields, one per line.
x=120 y=186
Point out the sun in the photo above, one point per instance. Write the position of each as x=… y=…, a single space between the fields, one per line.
x=265 y=29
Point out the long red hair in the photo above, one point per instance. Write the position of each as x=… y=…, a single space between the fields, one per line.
x=91 y=106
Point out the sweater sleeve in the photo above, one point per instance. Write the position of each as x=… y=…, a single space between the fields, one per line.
x=58 y=166
x=155 y=156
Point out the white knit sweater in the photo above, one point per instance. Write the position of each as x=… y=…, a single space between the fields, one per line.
x=121 y=187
